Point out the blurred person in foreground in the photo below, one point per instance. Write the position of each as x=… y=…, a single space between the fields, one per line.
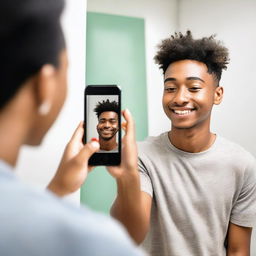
x=32 y=91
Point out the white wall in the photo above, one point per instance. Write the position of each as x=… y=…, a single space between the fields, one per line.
x=234 y=21
x=160 y=20
x=38 y=165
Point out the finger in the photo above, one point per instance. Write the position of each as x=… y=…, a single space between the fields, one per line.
x=86 y=152
x=112 y=169
x=78 y=134
x=130 y=126
x=124 y=125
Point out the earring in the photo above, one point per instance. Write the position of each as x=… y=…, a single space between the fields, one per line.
x=44 y=108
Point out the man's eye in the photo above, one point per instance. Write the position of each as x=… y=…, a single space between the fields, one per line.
x=170 y=89
x=195 y=89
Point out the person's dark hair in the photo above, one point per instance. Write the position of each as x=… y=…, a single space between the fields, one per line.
x=180 y=47
x=30 y=36
x=106 y=105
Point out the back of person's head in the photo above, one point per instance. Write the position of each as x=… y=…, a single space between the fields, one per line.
x=30 y=36
x=181 y=47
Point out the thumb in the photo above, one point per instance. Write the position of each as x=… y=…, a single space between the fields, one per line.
x=86 y=152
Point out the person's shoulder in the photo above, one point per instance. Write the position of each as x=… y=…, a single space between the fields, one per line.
x=97 y=234
x=151 y=142
x=38 y=215
x=93 y=233
x=233 y=147
x=235 y=151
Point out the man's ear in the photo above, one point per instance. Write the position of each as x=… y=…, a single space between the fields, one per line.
x=45 y=88
x=218 y=95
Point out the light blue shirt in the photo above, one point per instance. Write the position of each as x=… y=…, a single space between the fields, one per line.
x=38 y=223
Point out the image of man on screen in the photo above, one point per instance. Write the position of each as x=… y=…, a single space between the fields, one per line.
x=107 y=127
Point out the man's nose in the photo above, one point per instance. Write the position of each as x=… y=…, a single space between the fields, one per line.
x=181 y=96
x=106 y=124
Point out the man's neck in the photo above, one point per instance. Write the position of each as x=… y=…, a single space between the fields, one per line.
x=108 y=145
x=192 y=140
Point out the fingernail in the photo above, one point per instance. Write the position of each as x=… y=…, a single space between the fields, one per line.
x=127 y=111
x=95 y=144
x=94 y=139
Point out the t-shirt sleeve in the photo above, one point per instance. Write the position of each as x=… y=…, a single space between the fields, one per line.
x=145 y=181
x=244 y=209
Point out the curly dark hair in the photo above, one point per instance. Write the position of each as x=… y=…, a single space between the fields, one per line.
x=106 y=105
x=180 y=47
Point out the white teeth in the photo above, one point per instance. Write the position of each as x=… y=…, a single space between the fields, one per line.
x=182 y=112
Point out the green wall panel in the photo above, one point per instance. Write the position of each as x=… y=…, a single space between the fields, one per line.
x=115 y=54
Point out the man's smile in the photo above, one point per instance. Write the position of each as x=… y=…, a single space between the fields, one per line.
x=182 y=111
x=107 y=131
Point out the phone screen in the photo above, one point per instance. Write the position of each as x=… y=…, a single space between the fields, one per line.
x=102 y=121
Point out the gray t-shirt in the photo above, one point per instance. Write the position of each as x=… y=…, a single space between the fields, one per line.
x=196 y=195
x=37 y=223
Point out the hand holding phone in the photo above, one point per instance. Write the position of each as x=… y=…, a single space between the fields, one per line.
x=129 y=160
x=73 y=167
x=103 y=122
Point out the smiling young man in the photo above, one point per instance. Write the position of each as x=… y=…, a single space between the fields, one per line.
x=107 y=127
x=195 y=193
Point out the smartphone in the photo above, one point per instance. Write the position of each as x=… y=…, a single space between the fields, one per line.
x=102 y=120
